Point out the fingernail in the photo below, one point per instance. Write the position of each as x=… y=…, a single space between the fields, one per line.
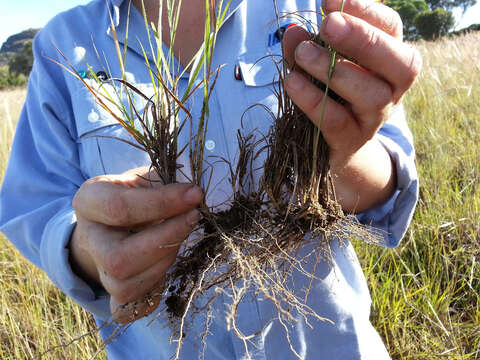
x=295 y=81
x=193 y=217
x=193 y=195
x=335 y=27
x=306 y=51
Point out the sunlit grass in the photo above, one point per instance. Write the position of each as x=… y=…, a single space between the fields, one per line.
x=426 y=301
x=34 y=315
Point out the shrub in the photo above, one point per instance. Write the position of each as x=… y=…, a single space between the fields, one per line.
x=8 y=79
x=433 y=24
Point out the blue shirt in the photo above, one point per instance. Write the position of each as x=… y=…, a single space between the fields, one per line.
x=56 y=148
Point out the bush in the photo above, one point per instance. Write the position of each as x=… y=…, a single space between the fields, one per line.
x=18 y=69
x=408 y=10
x=8 y=79
x=433 y=24
x=22 y=62
x=473 y=27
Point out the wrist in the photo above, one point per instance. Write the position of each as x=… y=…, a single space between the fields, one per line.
x=80 y=260
x=365 y=179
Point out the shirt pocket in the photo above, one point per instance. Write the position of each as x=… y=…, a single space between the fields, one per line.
x=260 y=79
x=101 y=139
x=260 y=76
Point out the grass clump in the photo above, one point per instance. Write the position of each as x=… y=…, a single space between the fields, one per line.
x=250 y=246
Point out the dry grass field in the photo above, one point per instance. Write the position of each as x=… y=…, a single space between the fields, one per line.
x=34 y=315
x=426 y=301
x=426 y=292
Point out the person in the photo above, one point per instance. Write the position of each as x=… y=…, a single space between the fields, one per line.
x=73 y=203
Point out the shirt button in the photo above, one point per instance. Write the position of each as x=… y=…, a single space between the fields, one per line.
x=238 y=73
x=210 y=145
x=102 y=76
x=93 y=116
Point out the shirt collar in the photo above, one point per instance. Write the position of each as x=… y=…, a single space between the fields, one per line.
x=234 y=4
x=119 y=11
x=137 y=31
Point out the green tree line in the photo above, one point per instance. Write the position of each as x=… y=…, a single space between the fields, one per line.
x=428 y=19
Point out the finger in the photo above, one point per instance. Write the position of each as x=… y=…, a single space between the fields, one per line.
x=292 y=37
x=143 y=176
x=395 y=61
x=138 y=286
x=90 y=240
x=337 y=121
x=373 y=12
x=136 y=253
x=125 y=313
x=368 y=95
x=109 y=201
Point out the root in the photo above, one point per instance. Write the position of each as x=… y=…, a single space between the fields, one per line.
x=187 y=307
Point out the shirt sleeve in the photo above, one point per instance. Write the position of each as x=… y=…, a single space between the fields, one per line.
x=394 y=216
x=42 y=176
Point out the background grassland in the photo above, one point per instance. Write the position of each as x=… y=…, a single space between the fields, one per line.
x=425 y=293
x=34 y=315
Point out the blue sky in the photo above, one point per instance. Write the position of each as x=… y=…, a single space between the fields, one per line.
x=472 y=16
x=18 y=15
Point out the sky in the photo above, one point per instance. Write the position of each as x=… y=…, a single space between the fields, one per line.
x=18 y=15
x=472 y=16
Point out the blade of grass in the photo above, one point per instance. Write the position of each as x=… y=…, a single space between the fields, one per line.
x=317 y=134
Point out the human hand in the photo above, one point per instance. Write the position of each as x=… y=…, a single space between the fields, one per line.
x=384 y=69
x=127 y=236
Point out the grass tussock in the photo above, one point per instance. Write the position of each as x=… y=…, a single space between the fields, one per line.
x=425 y=293
x=252 y=243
